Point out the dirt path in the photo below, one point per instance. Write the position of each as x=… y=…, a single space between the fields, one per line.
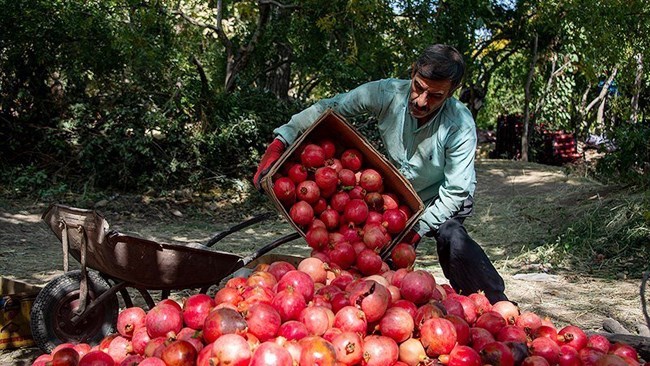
x=517 y=207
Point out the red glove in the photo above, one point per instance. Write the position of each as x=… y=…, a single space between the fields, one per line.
x=272 y=154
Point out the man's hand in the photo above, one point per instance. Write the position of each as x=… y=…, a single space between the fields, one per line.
x=272 y=154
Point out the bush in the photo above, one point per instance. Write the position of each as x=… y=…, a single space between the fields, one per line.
x=629 y=162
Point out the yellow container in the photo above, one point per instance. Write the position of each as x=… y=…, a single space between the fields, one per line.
x=16 y=299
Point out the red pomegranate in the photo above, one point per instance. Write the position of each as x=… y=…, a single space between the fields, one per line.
x=196 y=309
x=312 y=156
x=285 y=191
x=352 y=159
x=129 y=320
x=162 y=320
x=371 y=180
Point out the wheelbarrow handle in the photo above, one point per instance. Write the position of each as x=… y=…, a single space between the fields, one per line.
x=247 y=223
x=243 y=262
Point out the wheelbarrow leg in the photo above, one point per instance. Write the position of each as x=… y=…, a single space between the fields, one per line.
x=147 y=297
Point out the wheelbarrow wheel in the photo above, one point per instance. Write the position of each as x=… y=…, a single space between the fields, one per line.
x=53 y=308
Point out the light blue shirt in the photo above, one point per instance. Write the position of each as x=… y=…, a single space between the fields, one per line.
x=437 y=158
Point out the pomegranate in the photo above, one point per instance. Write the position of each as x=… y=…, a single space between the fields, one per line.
x=352 y=159
x=357 y=192
x=546 y=348
x=497 y=353
x=462 y=328
x=279 y=268
x=329 y=148
x=179 y=353
x=284 y=190
x=316 y=351
x=315 y=268
x=343 y=255
x=410 y=307
x=623 y=350
x=438 y=336
x=118 y=348
x=569 y=356
x=412 y=353
x=96 y=358
x=326 y=178
x=66 y=357
x=293 y=330
x=368 y=262
x=129 y=320
x=262 y=279
x=155 y=347
x=590 y=356
x=394 y=221
x=347 y=179
x=491 y=321
x=312 y=156
x=231 y=350
x=375 y=237
x=535 y=361
x=403 y=255
x=196 y=309
x=263 y=321
x=351 y=319
x=131 y=360
x=573 y=336
x=289 y=303
x=452 y=306
x=371 y=180
x=228 y=295
x=418 y=286
x=599 y=342
x=379 y=351
x=349 y=348
x=319 y=207
x=317 y=319
x=512 y=333
x=334 y=164
x=390 y=202
x=308 y=191
x=330 y=218
x=46 y=359
x=356 y=211
x=374 y=218
x=317 y=238
x=300 y=281
x=426 y=312
x=464 y=356
x=397 y=324
x=479 y=337
x=297 y=173
x=508 y=310
x=271 y=354
x=481 y=301
x=222 y=321
x=528 y=321
x=163 y=320
x=301 y=213
x=375 y=201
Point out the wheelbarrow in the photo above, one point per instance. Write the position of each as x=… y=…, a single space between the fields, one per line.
x=82 y=305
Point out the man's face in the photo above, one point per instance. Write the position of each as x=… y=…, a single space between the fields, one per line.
x=427 y=96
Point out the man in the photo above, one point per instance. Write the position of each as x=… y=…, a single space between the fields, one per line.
x=431 y=138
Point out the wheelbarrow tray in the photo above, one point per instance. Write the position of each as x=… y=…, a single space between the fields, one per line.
x=139 y=262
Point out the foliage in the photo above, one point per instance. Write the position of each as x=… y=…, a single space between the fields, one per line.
x=629 y=162
x=610 y=238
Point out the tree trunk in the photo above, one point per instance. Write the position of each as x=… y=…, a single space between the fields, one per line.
x=637 y=88
x=527 y=97
x=278 y=76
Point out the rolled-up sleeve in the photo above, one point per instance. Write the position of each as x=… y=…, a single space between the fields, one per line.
x=366 y=98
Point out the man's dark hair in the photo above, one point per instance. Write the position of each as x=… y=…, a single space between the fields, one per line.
x=441 y=62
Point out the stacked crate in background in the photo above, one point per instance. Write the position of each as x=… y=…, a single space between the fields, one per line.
x=553 y=147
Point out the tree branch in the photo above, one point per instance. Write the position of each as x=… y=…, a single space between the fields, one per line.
x=603 y=91
x=278 y=4
x=216 y=28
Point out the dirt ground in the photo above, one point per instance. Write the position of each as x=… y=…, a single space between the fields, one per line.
x=30 y=252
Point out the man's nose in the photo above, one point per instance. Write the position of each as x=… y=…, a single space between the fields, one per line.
x=421 y=100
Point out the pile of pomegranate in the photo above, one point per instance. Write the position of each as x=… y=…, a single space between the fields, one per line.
x=344 y=305
x=342 y=207
x=312 y=314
